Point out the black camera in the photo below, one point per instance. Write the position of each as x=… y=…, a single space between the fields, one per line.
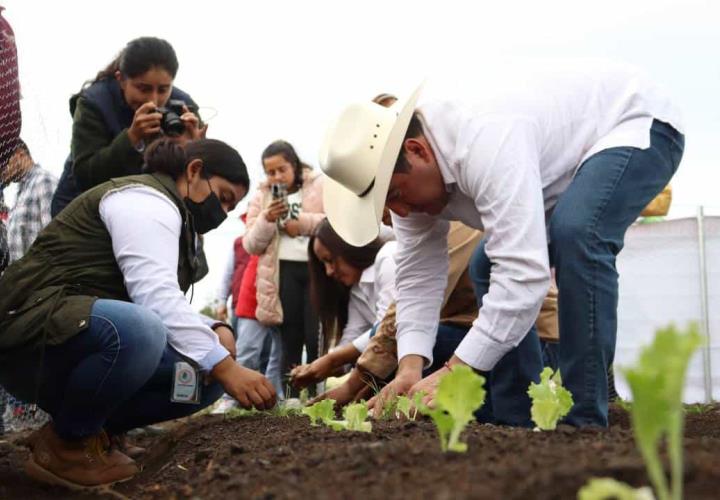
x=170 y=123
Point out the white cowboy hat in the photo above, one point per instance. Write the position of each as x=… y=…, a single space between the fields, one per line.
x=358 y=156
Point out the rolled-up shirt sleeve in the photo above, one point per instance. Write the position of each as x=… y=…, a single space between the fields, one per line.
x=145 y=229
x=360 y=343
x=421 y=277
x=502 y=171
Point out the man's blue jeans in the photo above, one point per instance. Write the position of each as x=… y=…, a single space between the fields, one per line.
x=115 y=375
x=506 y=401
x=587 y=231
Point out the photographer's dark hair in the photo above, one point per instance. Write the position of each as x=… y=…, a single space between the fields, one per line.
x=167 y=156
x=139 y=56
x=285 y=149
x=414 y=131
x=330 y=297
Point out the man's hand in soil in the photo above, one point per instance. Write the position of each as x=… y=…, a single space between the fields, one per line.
x=409 y=373
x=226 y=339
x=353 y=389
x=250 y=388
x=323 y=367
x=429 y=384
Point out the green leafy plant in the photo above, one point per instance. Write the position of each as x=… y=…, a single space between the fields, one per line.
x=550 y=400
x=238 y=412
x=304 y=396
x=459 y=394
x=355 y=416
x=657 y=383
x=696 y=409
x=287 y=409
x=409 y=407
x=390 y=407
x=322 y=411
x=609 y=489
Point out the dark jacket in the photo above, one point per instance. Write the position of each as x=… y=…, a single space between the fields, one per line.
x=100 y=148
x=46 y=297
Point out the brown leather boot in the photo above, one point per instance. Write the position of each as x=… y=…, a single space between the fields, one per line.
x=77 y=464
x=123 y=445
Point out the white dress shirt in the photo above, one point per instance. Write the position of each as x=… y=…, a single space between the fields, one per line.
x=144 y=225
x=370 y=298
x=507 y=148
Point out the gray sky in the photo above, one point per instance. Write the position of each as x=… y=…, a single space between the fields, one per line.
x=282 y=69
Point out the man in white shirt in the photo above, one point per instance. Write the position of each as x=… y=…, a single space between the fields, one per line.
x=554 y=163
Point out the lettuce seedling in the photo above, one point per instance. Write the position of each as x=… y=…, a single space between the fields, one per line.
x=409 y=407
x=304 y=396
x=609 y=489
x=459 y=394
x=355 y=417
x=550 y=400
x=322 y=411
x=657 y=383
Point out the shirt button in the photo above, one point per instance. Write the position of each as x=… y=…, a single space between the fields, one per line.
x=82 y=323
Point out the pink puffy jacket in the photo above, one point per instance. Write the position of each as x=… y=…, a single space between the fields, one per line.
x=262 y=238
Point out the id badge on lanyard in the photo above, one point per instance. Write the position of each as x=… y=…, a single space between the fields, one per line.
x=186 y=384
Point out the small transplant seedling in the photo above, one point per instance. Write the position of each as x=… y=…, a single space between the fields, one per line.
x=409 y=407
x=322 y=411
x=609 y=489
x=460 y=393
x=355 y=416
x=550 y=400
x=657 y=383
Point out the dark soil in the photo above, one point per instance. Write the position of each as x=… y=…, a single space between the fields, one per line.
x=268 y=457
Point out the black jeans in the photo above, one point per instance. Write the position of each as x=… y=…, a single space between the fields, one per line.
x=300 y=323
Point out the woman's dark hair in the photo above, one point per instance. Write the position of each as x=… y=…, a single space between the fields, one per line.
x=330 y=297
x=285 y=149
x=139 y=56
x=169 y=157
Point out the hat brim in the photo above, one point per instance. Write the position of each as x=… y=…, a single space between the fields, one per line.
x=357 y=219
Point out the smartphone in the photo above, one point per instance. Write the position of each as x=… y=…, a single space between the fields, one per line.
x=279 y=192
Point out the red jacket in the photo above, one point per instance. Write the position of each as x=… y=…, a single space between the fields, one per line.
x=241 y=261
x=247 y=296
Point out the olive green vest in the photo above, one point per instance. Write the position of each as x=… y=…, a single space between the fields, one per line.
x=46 y=297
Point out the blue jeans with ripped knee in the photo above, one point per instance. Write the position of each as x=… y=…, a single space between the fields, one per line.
x=115 y=375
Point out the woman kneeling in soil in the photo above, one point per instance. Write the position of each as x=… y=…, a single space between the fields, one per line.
x=96 y=327
x=353 y=289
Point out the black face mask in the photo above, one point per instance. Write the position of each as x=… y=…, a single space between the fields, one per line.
x=208 y=214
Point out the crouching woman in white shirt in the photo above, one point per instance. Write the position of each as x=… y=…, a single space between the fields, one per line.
x=351 y=289
x=95 y=324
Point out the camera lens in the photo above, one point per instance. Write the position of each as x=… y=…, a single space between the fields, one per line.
x=171 y=124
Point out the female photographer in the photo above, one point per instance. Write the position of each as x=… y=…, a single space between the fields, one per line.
x=281 y=216
x=95 y=324
x=119 y=113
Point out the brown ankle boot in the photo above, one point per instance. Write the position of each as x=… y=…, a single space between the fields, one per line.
x=123 y=445
x=77 y=464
